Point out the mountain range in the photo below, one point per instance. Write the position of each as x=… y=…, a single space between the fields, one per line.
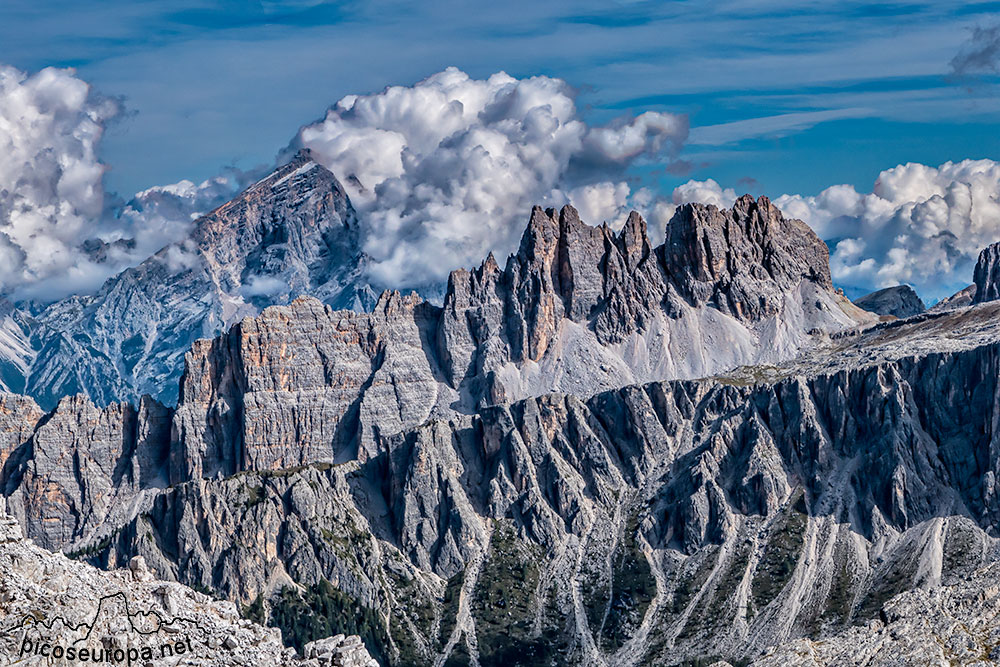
x=601 y=453
x=293 y=232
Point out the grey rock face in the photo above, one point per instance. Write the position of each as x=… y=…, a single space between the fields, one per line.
x=986 y=276
x=645 y=525
x=744 y=259
x=18 y=417
x=82 y=465
x=899 y=301
x=578 y=308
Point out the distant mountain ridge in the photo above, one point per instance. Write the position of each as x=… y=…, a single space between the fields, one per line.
x=296 y=233
x=899 y=301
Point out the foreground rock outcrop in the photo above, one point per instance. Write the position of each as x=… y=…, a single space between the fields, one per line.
x=59 y=611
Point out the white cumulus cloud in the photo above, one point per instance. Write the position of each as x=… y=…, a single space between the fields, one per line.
x=919 y=225
x=51 y=190
x=446 y=170
x=704 y=192
x=163 y=214
x=58 y=233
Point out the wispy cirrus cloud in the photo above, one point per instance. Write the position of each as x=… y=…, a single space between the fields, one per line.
x=183 y=65
x=981 y=54
x=769 y=126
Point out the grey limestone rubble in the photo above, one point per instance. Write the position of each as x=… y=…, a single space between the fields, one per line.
x=49 y=598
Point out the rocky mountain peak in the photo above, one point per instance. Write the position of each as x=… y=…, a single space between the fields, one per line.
x=633 y=241
x=294 y=222
x=899 y=301
x=742 y=259
x=293 y=232
x=959 y=299
x=986 y=277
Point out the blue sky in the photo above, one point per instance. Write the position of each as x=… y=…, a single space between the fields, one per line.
x=782 y=97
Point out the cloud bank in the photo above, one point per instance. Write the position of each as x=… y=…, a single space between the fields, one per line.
x=57 y=230
x=919 y=225
x=442 y=173
x=51 y=190
x=446 y=170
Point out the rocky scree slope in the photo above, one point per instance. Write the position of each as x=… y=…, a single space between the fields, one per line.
x=50 y=598
x=934 y=627
x=294 y=232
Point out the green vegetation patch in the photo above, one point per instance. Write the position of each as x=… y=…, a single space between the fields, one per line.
x=255 y=611
x=449 y=611
x=413 y=608
x=962 y=547
x=255 y=496
x=322 y=610
x=94 y=549
x=711 y=612
x=781 y=554
x=841 y=596
x=504 y=603
x=459 y=656
x=632 y=590
x=888 y=582
x=595 y=588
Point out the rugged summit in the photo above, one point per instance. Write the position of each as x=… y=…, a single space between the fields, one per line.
x=899 y=301
x=959 y=299
x=580 y=309
x=294 y=232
